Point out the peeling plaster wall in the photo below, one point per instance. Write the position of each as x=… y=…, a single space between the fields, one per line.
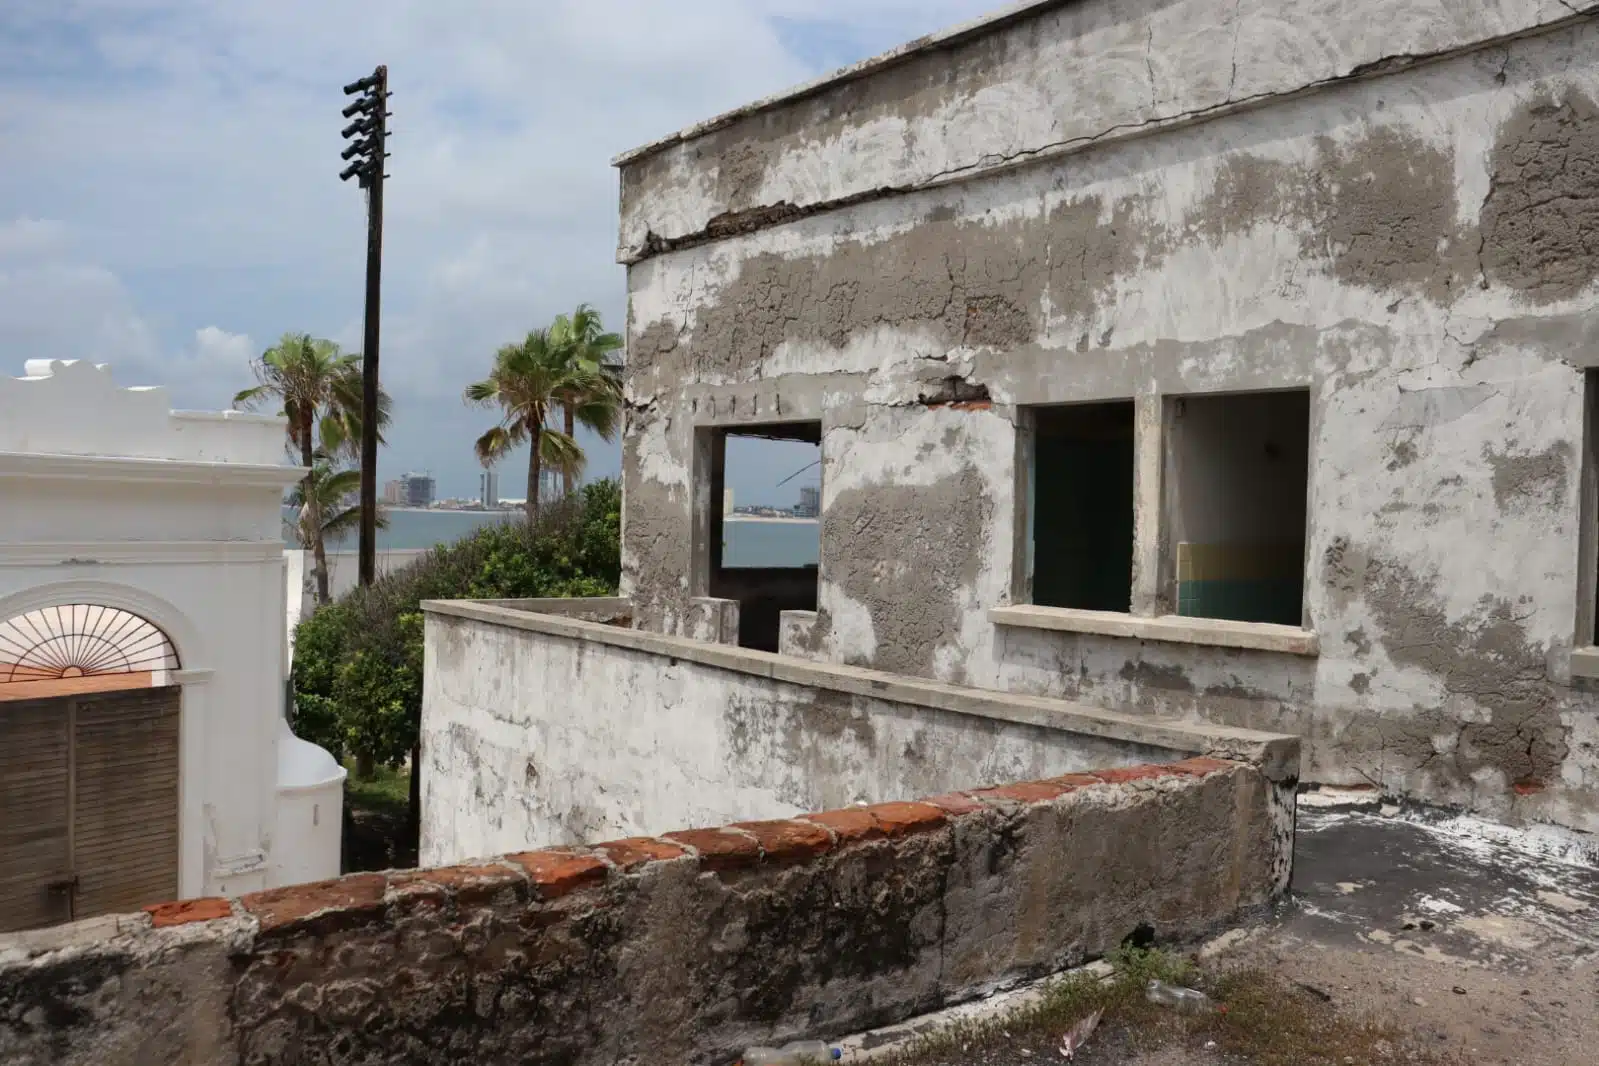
x=664 y=742
x=1037 y=80
x=1418 y=249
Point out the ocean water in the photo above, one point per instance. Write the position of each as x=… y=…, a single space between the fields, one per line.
x=785 y=543
x=745 y=544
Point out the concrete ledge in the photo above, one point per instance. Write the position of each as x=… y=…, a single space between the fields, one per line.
x=594 y=608
x=1213 y=632
x=1585 y=662
x=1277 y=755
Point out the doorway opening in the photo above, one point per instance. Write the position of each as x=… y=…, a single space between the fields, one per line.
x=765 y=528
x=89 y=763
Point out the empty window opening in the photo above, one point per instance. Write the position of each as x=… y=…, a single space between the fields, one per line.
x=766 y=524
x=1237 y=482
x=1082 y=506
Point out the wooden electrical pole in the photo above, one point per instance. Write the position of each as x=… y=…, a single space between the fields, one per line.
x=368 y=151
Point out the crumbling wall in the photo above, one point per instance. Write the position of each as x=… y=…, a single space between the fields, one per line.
x=1035 y=81
x=1410 y=245
x=672 y=731
x=682 y=948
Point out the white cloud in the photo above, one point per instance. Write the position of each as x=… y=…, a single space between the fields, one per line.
x=189 y=150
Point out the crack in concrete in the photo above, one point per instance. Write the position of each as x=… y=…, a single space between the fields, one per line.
x=1237 y=31
x=1149 y=65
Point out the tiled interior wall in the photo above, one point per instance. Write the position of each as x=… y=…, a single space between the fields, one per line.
x=1242 y=582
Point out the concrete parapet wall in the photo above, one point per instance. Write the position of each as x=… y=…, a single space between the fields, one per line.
x=540 y=730
x=682 y=948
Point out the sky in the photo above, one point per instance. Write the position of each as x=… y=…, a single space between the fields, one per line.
x=170 y=202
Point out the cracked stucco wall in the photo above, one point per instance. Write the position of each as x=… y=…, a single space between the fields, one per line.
x=1415 y=246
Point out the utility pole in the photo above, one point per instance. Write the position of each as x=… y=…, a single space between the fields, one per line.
x=370 y=130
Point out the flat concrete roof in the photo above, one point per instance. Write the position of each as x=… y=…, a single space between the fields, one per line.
x=942 y=39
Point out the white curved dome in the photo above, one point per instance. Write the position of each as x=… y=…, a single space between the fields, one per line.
x=302 y=764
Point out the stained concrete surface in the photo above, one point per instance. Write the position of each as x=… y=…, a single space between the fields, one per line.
x=1487 y=947
x=1481 y=943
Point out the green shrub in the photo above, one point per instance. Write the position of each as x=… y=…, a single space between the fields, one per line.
x=358 y=661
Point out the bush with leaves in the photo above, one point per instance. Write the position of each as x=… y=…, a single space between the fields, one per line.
x=358 y=661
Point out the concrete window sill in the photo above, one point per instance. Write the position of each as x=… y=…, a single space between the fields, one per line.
x=1585 y=662
x=1213 y=632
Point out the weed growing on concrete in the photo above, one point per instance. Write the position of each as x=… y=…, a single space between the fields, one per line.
x=1261 y=1020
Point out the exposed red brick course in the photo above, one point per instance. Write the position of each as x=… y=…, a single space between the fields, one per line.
x=720 y=849
x=954 y=803
x=880 y=821
x=189 y=910
x=1202 y=766
x=1120 y=775
x=354 y=897
x=1025 y=792
x=636 y=851
x=1072 y=782
x=411 y=890
x=1528 y=788
x=557 y=872
x=788 y=839
x=475 y=883
x=850 y=825
x=904 y=819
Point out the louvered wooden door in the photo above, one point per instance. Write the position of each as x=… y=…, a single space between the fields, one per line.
x=92 y=825
x=35 y=813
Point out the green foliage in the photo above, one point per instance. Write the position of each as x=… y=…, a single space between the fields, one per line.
x=1139 y=966
x=358 y=661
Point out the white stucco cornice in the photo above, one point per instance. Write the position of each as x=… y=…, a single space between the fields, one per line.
x=69 y=554
x=74 y=407
x=145 y=471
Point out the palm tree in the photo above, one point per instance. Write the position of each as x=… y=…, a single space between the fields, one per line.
x=327 y=513
x=318 y=389
x=598 y=381
x=548 y=370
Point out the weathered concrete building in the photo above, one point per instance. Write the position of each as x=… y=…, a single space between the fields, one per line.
x=1229 y=359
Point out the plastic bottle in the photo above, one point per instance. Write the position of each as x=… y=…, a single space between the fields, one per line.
x=798 y=1053
x=765 y=1056
x=808 y=1052
x=1187 y=1000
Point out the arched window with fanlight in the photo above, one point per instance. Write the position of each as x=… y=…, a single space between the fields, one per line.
x=89 y=764
x=81 y=647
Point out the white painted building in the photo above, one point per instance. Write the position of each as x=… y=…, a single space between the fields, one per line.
x=144 y=750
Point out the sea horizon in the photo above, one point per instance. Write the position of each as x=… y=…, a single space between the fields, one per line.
x=748 y=540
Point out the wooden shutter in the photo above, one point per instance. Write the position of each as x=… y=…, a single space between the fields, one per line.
x=35 y=742
x=125 y=819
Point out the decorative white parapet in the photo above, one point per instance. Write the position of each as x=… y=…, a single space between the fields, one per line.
x=73 y=407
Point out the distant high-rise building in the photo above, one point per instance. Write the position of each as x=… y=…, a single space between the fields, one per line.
x=727 y=501
x=810 y=504
x=488 y=489
x=419 y=489
x=394 y=492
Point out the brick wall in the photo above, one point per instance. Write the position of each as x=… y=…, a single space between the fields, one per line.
x=681 y=948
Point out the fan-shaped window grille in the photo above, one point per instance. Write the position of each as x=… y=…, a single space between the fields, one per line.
x=81 y=640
